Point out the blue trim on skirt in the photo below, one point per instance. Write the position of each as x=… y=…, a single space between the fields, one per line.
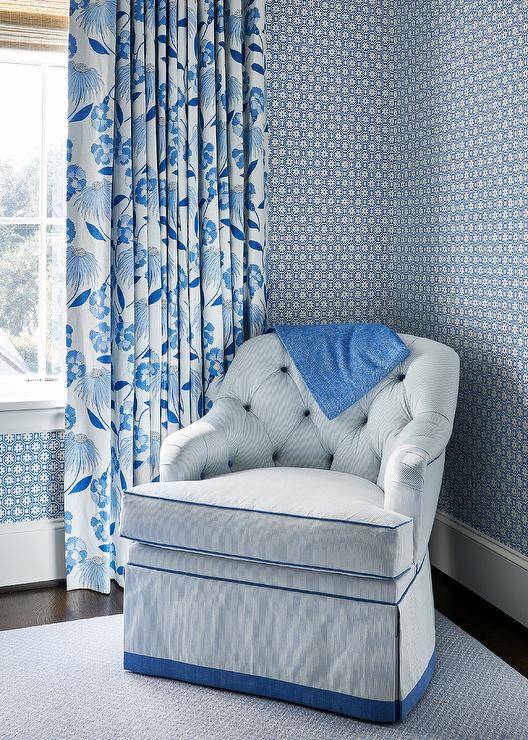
x=353 y=706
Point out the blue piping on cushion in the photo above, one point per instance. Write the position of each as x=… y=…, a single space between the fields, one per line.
x=279 y=588
x=264 y=560
x=367 y=709
x=272 y=513
x=404 y=594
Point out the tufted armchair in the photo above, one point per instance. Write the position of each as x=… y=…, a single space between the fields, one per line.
x=284 y=554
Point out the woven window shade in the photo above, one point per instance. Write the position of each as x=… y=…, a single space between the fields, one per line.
x=34 y=24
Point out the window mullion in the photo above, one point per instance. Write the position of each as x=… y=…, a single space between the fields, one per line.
x=42 y=287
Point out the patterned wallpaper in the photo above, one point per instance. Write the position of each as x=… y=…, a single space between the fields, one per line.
x=31 y=479
x=461 y=71
x=330 y=92
x=398 y=193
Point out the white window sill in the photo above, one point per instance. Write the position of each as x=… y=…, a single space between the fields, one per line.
x=31 y=407
x=21 y=395
x=30 y=404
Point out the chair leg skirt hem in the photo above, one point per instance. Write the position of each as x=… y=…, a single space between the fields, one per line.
x=367 y=709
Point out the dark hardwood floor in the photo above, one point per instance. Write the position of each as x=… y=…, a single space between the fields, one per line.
x=52 y=603
x=497 y=631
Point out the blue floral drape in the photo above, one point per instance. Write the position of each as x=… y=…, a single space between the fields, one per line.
x=166 y=235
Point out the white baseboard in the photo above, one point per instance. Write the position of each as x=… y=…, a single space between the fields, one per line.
x=493 y=571
x=31 y=552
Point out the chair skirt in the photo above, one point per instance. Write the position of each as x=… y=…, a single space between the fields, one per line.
x=362 y=647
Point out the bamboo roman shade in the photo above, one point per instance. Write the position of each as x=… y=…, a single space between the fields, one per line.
x=34 y=24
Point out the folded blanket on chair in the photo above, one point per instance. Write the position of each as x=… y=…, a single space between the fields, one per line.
x=340 y=363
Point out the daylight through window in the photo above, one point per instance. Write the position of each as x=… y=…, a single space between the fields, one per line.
x=33 y=79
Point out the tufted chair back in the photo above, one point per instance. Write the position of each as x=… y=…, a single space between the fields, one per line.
x=268 y=417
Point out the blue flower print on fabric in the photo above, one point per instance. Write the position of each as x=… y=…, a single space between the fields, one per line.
x=166 y=238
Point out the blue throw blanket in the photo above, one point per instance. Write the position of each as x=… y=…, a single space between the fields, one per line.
x=340 y=363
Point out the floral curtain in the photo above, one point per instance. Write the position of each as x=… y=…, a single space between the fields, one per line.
x=166 y=236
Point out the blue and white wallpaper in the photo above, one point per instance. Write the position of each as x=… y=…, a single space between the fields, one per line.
x=461 y=128
x=398 y=176
x=331 y=198
x=31 y=476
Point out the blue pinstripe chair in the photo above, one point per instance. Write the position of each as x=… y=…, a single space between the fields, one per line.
x=285 y=555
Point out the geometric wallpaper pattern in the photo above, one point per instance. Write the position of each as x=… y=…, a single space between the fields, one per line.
x=461 y=232
x=413 y=210
x=31 y=477
x=331 y=181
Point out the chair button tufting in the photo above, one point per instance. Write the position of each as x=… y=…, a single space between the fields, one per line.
x=401 y=377
x=247 y=406
x=307 y=412
x=284 y=369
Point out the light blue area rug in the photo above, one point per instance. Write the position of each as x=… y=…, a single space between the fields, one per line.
x=66 y=681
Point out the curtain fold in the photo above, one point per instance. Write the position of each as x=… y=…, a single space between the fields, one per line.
x=167 y=163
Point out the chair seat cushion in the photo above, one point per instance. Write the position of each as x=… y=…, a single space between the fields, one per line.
x=298 y=517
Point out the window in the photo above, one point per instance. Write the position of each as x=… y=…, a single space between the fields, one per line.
x=33 y=85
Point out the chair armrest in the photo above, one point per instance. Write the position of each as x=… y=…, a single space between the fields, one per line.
x=413 y=473
x=201 y=449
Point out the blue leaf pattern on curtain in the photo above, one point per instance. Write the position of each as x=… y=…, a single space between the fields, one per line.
x=166 y=229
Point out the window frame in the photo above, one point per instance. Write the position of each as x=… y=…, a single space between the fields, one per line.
x=40 y=390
